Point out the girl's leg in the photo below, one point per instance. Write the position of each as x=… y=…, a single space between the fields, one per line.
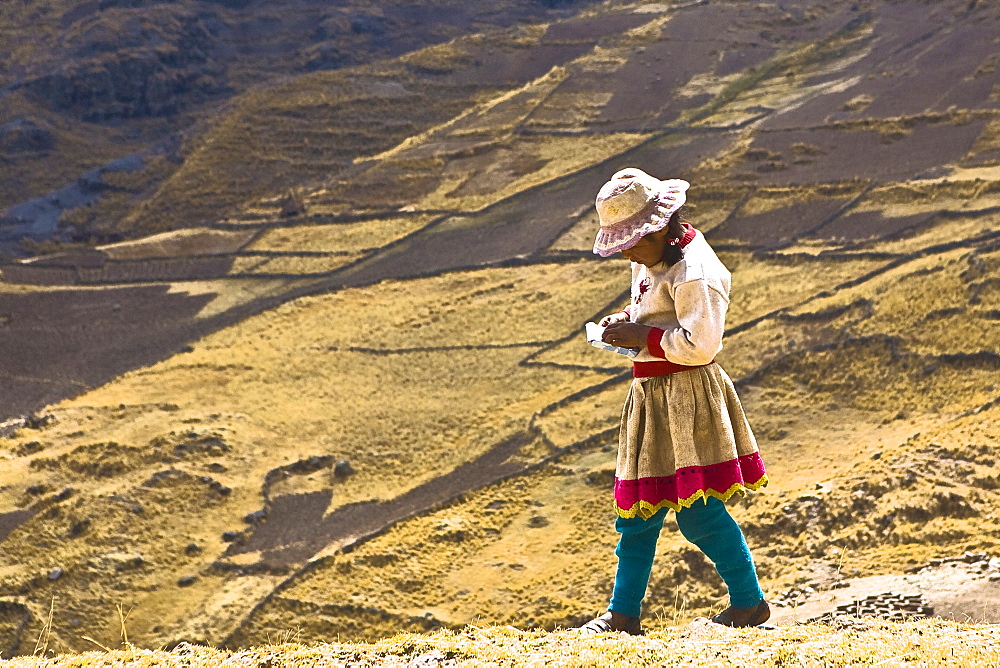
x=635 y=551
x=715 y=532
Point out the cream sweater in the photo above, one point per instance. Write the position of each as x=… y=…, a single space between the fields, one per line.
x=688 y=301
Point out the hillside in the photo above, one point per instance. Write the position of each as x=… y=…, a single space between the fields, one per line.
x=120 y=91
x=365 y=406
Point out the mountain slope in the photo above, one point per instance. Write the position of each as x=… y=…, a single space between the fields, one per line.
x=369 y=407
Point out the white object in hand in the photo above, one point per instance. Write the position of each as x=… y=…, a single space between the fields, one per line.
x=595 y=336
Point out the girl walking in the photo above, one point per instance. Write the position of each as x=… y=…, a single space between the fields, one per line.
x=685 y=444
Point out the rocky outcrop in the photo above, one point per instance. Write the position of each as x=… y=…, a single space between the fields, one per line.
x=896 y=607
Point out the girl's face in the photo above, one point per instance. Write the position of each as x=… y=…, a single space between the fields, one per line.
x=648 y=250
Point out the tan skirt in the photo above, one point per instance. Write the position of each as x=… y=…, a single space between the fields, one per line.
x=684 y=437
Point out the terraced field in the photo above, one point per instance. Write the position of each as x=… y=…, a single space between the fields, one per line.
x=366 y=405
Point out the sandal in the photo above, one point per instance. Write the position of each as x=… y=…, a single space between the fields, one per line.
x=603 y=624
x=744 y=617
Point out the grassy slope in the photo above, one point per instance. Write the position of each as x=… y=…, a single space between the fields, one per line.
x=245 y=404
x=805 y=414
x=248 y=45
x=209 y=412
x=836 y=365
x=821 y=418
x=931 y=642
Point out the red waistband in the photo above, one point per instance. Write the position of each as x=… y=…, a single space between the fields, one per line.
x=660 y=368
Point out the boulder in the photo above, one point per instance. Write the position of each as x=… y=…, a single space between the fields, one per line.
x=343 y=468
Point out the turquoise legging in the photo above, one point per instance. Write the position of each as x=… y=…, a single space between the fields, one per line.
x=707 y=525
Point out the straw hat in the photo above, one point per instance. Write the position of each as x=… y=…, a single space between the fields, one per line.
x=633 y=204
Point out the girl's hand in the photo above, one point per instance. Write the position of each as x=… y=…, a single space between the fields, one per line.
x=626 y=334
x=621 y=316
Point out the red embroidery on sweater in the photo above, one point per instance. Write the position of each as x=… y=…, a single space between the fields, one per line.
x=643 y=288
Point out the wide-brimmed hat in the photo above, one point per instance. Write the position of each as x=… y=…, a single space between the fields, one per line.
x=633 y=204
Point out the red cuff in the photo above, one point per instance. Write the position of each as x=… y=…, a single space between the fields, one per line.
x=653 y=342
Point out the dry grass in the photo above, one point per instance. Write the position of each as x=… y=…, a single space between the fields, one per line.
x=989 y=139
x=831 y=409
x=303 y=132
x=280 y=379
x=510 y=168
x=920 y=643
x=124 y=190
x=293 y=142
x=941 y=232
x=276 y=389
x=848 y=387
x=292 y=266
x=349 y=237
x=766 y=200
x=195 y=241
x=781 y=81
x=912 y=197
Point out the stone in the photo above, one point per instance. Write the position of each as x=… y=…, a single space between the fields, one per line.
x=55 y=573
x=427 y=660
x=343 y=468
x=255 y=517
x=292 y=204
x=454 y=530
x=118 y=562
x=187 y=581
x=36 y=421
x=79 y=528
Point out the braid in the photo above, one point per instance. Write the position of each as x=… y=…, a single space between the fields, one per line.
x=673 y=254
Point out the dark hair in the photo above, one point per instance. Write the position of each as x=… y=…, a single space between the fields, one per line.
x=672 y=254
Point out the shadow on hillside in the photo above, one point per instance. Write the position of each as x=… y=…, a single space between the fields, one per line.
x=55 y=345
